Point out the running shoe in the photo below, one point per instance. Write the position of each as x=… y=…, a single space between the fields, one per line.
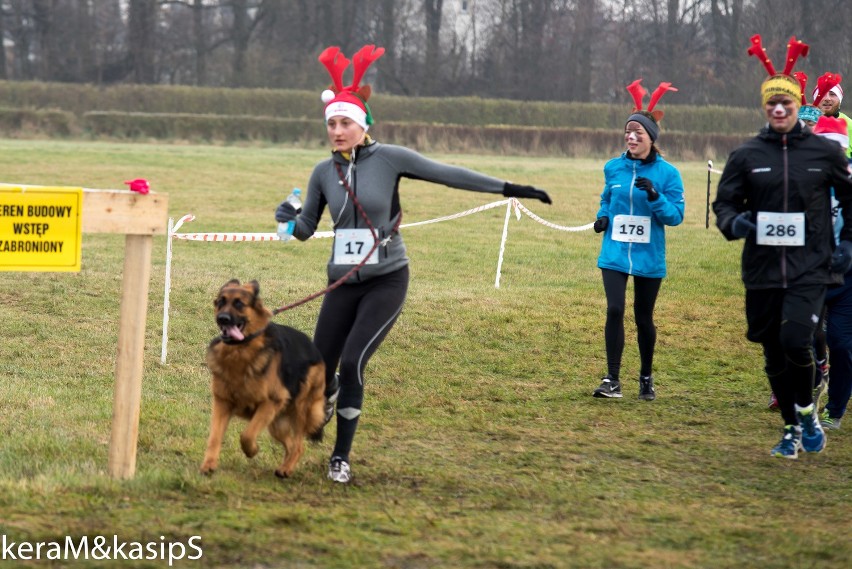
x=609 y=388
x=791 y=443
x=646 y=388
x=829 y=423
x=813 y=437
x=331 y=399
x=339 y=471
x=773 y=402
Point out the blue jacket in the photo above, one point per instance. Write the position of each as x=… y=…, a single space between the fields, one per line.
x=621 y=197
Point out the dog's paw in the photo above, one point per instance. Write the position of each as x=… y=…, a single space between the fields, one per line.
x=208 y=467
x=249 y=447
x=282 y=473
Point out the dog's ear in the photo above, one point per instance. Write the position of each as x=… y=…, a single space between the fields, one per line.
x=255 y=287
x=235 y=282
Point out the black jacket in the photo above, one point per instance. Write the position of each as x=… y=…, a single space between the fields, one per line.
x=787 y=173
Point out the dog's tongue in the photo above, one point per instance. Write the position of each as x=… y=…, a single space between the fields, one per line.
x=234 y=333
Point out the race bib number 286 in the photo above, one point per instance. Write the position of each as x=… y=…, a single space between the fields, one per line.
x=785 y=229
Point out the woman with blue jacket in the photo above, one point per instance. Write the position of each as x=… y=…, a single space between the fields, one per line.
x=642 y=194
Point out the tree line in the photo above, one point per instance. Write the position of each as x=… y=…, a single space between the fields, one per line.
x=544 y=50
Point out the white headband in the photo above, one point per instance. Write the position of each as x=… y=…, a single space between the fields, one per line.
x=350 y=110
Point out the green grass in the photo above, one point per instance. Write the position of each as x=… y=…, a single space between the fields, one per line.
x=480 y=445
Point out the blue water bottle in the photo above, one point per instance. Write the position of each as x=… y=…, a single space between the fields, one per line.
x=285 y=230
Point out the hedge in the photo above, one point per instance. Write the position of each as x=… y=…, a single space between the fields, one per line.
x=282 y=104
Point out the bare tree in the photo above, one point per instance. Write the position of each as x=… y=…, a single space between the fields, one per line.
x=432 y=12
x=3 y=74
x=141 y=36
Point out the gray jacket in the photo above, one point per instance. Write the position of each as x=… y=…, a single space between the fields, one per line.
x=375 y=182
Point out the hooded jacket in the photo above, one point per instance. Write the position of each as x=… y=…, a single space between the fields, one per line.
x=374 y=179
x=620 y=196
x=786 y=173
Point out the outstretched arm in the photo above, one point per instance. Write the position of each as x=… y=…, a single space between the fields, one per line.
x=413 y=165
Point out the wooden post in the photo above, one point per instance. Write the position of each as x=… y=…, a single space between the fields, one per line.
x=139 y=217
x=129 y=362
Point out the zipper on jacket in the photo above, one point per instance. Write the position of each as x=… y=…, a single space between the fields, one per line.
x=630 y=244
x=786 y=196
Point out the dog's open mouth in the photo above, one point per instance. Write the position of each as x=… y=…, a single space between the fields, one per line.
x=232 y=333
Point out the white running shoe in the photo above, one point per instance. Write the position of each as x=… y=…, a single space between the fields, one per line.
x=339 y=471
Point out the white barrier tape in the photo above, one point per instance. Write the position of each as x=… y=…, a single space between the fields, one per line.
x=715 y=171
x=223 y=237
x=458 y=215
x=230 y=237
x=546 y=223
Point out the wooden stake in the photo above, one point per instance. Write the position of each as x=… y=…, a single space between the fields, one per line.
x=129 y=362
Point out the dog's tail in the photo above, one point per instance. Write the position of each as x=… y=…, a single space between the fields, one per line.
x=316 y=437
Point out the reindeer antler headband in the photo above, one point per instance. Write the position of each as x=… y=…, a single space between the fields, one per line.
x=826 y=83
x=779 y=83
x=638 y=92
x=807 y=112
x=351 y=100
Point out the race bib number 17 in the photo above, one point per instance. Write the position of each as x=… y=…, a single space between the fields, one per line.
x=352 y=245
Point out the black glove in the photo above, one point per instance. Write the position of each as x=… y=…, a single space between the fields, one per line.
x=646 y=186
x=285 y=212
x=841 y=260
x=511 y=190
x=742 y=225
x=601 y=224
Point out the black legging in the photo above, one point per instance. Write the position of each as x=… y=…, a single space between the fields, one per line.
x=353 y=321
x=645 y=292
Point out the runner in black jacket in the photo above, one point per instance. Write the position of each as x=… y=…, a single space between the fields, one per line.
x=775 y=192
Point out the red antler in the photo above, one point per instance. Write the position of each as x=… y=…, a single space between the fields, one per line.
x=757 y=50
x=659 y=92
x=638 y=92
x=795 y=49
x=826 y=83
x=336 y=63
x=803 y=82
x=362 y=60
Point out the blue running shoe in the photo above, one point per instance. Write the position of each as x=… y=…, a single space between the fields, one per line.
x=790 y=443
x=813 y=437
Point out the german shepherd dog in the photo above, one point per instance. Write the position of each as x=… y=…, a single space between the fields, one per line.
x=270 y=374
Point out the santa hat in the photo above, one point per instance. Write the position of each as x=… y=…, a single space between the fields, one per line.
x=779 y=83
x=651 y=124
x=807 y=112
x=833 y=128
x=349 y=101
x=828 y=83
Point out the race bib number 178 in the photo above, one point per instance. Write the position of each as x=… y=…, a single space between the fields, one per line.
x=632 y=228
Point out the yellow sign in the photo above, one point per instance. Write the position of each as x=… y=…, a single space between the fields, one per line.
x=40 y=229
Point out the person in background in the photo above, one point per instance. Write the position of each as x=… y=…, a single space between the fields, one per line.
x=809 y=113
x=838 y=307
x=828 y=95
x=359 y=184
x=775 y=192
x=642 y=194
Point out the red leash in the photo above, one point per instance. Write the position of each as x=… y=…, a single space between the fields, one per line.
x=357 y=267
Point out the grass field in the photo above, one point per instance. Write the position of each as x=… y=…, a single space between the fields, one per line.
x=480 y=445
